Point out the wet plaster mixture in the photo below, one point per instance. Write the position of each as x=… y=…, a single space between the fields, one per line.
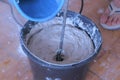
x=77 y=44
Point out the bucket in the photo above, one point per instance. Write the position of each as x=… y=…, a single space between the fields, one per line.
x=45 y=70
x=38 y=10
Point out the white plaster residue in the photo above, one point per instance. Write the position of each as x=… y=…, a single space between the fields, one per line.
x=81 y=24
x=58 y=79
x=18 y=27
x=69 y=21
x=10 y=18
x=48 y=78
x=2 y=70
x=105 y=65
x=94 y=61
x=100 y=11
x=21 y=51
x=94 y=30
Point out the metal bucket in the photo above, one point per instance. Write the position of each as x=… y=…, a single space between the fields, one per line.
x=47 y=71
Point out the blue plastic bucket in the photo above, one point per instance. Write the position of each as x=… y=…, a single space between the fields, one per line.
x=38 y=10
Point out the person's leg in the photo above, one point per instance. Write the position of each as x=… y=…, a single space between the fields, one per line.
x=111 y=20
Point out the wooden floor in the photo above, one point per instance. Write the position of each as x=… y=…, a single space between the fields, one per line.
x=13 y=61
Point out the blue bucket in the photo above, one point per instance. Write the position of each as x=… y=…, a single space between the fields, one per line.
x=38 y=10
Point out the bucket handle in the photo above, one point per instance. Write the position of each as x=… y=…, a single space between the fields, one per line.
x=82 y=5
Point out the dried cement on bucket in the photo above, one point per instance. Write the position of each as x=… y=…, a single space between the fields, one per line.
x=43 y=41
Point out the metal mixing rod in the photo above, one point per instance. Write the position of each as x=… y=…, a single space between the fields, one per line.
x=60 y=56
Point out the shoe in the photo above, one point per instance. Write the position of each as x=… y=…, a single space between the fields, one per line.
x=113 y=10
